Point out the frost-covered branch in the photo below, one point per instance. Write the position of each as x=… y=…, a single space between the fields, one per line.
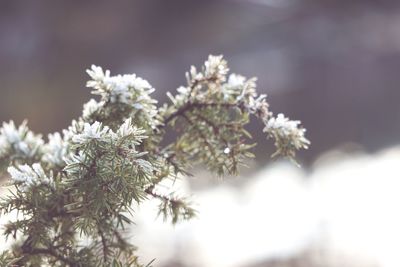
x=82 y=183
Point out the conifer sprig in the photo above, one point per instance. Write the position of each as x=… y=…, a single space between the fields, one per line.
x=75 y=192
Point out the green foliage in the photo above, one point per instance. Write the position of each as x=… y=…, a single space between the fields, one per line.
x=74 y=194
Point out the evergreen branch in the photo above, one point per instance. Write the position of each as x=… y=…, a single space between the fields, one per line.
x=104 y=245
x=27 y=251
x=192 y=106
x=82 y=183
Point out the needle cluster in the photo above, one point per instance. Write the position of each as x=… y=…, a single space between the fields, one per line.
x=75 y=191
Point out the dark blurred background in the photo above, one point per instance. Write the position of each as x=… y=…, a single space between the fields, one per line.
x=333 y=64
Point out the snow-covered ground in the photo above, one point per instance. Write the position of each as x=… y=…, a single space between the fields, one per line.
x=348 y=205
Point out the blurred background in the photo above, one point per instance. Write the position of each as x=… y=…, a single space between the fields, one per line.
x=335 y=65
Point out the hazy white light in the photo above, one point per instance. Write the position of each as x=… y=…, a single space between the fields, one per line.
x=348 y=206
